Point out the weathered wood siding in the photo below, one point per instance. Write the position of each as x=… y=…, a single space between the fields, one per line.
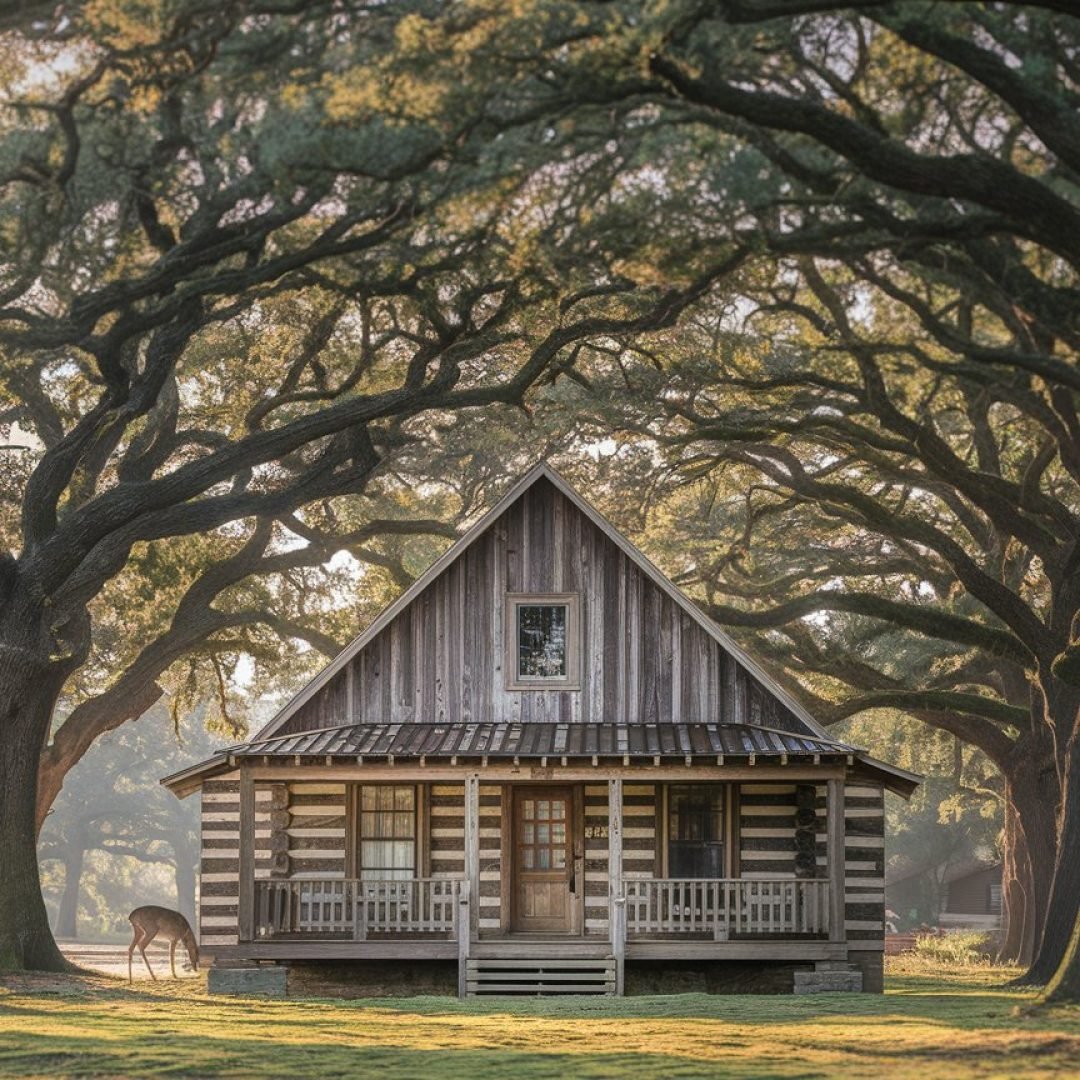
x=781 y=830
x=316 y=830
x=493 y=816
x=644 y=659
x=639 y=830
x=596 y=859
x=864 y=864
x=219 y=876
x=446 y=810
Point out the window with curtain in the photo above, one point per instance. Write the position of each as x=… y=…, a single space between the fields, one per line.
x=387 y=832
x=696 y=830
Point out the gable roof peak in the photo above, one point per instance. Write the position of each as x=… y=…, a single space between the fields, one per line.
x=542 y=470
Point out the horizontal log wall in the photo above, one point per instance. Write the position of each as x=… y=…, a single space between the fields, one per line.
x=639 y=830
x=864 y=864
x=493 y=815
x=767 y=823
x=766 y=830
x=596 y=859
x=644 y=658
x=219 y=877
x=316 y=830
x=446 y=809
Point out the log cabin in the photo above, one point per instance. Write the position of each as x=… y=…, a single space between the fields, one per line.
x=545 y=769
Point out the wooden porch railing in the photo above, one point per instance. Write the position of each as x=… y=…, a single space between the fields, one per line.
x=726 y=907
x=346 y=906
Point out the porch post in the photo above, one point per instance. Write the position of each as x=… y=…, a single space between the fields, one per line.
x=834 y=810
x=472 y=848
x=463 y=935
x=246 y=867
x=616 y=899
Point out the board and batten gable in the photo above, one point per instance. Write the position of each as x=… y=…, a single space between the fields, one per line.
x=644 y=658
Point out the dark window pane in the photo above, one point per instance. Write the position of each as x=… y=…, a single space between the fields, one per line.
x=696 y=830
x=689 y=859
x=541 y=633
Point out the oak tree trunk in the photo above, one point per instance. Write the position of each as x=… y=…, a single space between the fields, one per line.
x=1017 y=904
x=1064 y=987
x=35 y=660
x=185 y=861
x=26 y=942
x=1033 y=793
x=67 y=918
x=1064 y=906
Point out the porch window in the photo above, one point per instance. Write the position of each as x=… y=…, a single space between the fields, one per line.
x=541 y=639
x=387 y=832
x=696 y=831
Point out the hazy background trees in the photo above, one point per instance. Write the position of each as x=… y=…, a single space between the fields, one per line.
x=115 y=839
x=262 y=255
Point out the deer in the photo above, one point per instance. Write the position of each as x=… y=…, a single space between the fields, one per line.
x=152 y=921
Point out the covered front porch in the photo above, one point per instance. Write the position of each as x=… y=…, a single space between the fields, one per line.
x=560 y=896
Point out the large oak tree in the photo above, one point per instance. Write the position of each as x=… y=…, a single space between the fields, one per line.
x=925 y=158
x=232 y=288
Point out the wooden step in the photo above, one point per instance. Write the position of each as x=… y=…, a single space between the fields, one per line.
x=526 y=949
x=538 y=977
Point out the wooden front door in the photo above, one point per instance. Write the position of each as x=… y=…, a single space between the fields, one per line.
x=543 y=859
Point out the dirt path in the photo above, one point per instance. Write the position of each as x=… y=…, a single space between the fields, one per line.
x=112 y=959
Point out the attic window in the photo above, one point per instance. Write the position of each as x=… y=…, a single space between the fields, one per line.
x=541 y=641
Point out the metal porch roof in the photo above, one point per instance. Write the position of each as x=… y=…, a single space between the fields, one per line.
x=509 y=740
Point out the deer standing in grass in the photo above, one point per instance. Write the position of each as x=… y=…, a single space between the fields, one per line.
x=150 y=922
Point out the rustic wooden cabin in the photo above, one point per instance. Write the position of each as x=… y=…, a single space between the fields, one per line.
x=544 y=769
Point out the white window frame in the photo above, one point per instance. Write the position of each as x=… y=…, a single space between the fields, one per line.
x=572 y=679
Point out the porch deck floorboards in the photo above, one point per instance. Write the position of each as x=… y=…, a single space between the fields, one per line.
x=532 y=948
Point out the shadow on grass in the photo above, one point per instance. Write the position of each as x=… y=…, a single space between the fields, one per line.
x=924 y=1028
x=162 y=1051
x=909 y=998
x=207 y=1058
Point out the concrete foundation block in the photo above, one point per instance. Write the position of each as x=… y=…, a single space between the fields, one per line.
x=268 y=981
x=828 y=982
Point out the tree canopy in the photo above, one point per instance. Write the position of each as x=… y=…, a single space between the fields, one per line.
x=260 y=252
x=230 y=291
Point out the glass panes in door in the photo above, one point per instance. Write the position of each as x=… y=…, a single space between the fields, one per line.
x=543 y=822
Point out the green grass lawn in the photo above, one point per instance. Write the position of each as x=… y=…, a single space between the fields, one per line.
x=927 y=1026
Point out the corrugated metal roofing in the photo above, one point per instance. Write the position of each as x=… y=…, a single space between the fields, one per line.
x=508 y=740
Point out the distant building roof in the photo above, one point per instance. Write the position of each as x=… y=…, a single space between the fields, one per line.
x=953 y=872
